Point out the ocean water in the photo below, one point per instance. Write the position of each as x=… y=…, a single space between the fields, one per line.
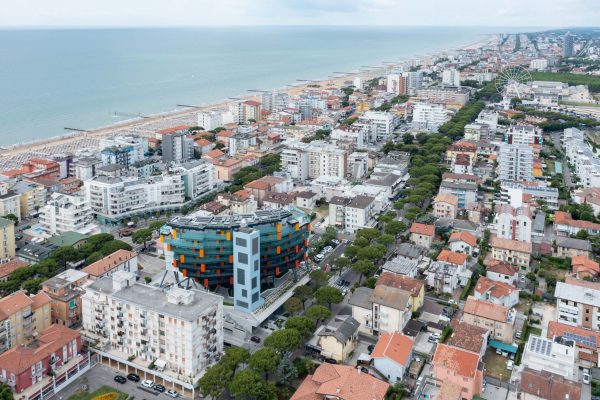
x=51 y=79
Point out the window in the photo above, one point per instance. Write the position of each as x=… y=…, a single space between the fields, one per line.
x=244 y=293
x=240 y=242
x=256 y=265
x=241 y=304
x=243 y=258
x=241 y=277
x=255 y=246
x=254 y=282
x=255 y=297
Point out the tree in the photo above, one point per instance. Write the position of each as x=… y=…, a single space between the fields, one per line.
x=341 y=263
x=64 y=254
x=363 y=267
x=215 y=380
x=114 y=245
x=318 y=313
x=302 y=324
x=582 y=234
x=395 y=228
x=265 y=360
x=283 y=341
x=248 y=384
x=372 y=253
x=368 y=233
x=234 y=357
x=12 y=217
x=293 y=305
x=304 y=293
x=32 y=286
x=156 y=224
x=318 y=278
x=371 y=282
x=287 y=371
x=351 y=251
x=386 y=239
x=5 y=392
x=142 y=236
x=407 y=138
x=328 y=295
x=92 y=258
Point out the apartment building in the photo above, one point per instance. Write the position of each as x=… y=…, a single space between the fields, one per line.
x=514 y=223
x=523 y=135
x=497 y=319
x=339 y=337
x=352 y=213
x=378 y=125
x=511 y=251
x=65 y=290
x=556 y=355
x=512 y=193
x=445 y=95
x=515 y=163
x=10 y=201
x=114 y=199
x=384 y=309
x=198 y=178
x=477 y=131
x=583 y=158
x=428 y=117
x=448 y=272
x=458 y=371
x=565 y=225
x=134 y=148
x=67 y=213
x=451 y=77
x=445 y=206
x=465 y=192
x=490 y=118
x=22 y=318
x=578 y=305
x=120 y=260
x=177 y=147
x=7 y=239
x=315 y=159
x=210 y=120
x=354 y=134
x=181 y=328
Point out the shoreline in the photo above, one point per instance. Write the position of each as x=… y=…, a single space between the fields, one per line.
x=11 y=156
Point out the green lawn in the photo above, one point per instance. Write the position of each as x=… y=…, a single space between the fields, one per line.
x=102 y=390
x=495 y=365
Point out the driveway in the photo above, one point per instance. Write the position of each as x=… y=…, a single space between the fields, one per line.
x=101 y=375
x=422 y=345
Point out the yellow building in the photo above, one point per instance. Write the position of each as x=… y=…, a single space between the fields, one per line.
x=22 y=318
x=7 y=238
x=338 y=338
x=33 y=197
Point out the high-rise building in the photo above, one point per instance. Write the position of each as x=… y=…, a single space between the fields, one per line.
x=568 y=45
x=428 y=116
x=202 y=248
x=66 y=213
x=246 y=268
x=177 y=147
x=7 y=239
x=515 y=163
x=210 y=120
x=451 y=77
x=397 y=84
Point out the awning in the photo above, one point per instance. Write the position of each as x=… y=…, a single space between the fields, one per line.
x=364 y=357
x=503 y=346
x=160 y=364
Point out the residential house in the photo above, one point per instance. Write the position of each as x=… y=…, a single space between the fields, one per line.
x=25 y=366
x=511 y=251
x=120 y=260
x=352 y=213
x=414 y=287
x=338 y=338
x=556 y=355
x=22 y=318
x=497 y=319
x=445 y=206
x=496 y=292
x=306 y=200
x=583 y=267
x=578 y=303
x=463 y=242
x=392 y=356
x=468 y=337
x=9 y=266
x=340 y=382
x=545 y=385
x=514 y=223
x=565 y=225
x=500 y=271
x=448 y=273
x=260 y=187
x=569 y=247
x=587 y=342
x=402 y=266
x=460 y=368
x=422 y=234
x=65 y=290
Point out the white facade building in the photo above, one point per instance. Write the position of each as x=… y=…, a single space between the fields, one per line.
x=67 y=213
x=379 y=125
x=352 y=213
x=451 y=77
x=428 y=116
x=582 y=157
x=210 y=120
x=557 y=356
x=513 y=223
x=181 y=328
x=515 y=163
x=198 y=178
x=489 y=118
x=577 y=305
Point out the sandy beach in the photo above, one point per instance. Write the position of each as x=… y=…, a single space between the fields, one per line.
x=13 y=156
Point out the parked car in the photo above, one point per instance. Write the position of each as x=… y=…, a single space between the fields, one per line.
x=419 y=381
x=147 y=383
x=159 y=388
x=510 y=364
x=172 y=393
x=133 y=377
x=505 y=354
x=255 y=339
x=586 y=376
x=370 y=348
x=436 y=335
x=331 y=360
x=120 y=379
x=518 y=335
x=499 y=352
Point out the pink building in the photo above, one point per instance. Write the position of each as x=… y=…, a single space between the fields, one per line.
x=458 y=368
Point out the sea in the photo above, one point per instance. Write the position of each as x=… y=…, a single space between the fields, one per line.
x=87 y=78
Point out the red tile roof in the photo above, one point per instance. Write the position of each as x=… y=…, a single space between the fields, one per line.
x=461 y=362
x=556 y=328
x=411 y=285
x=494 y=288
x=501 y=267
x=394 y=346
x=565 y=218
x=487 y=310
x=173 y=129
x=452 y=257
x=109 y=262
x=546 y=385
x=422 y=229
x=509 y=244
x=464 y=236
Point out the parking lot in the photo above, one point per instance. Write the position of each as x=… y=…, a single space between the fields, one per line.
x=101 y=375
x=422 y=345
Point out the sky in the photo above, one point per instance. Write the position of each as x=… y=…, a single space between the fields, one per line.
x=57 y=13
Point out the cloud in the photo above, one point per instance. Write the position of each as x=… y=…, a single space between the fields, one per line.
x=305 y=12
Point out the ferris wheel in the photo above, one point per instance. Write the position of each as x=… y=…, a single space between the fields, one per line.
x=511 y=81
